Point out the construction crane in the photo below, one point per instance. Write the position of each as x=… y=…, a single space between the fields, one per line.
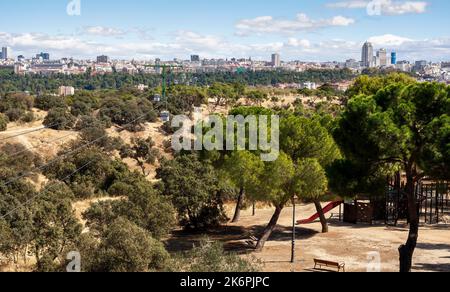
x=165 y=115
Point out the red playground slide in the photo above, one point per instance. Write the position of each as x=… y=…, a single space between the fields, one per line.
x=316 y=216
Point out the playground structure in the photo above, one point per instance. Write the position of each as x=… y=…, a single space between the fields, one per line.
x=433 y=199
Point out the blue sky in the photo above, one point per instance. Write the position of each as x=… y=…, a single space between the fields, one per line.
x=310 y=30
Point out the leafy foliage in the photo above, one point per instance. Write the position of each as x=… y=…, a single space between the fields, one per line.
x=209 y=257
x=194 y=189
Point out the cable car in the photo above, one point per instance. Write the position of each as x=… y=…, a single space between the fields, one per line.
x=157 y=98
x=165 y=116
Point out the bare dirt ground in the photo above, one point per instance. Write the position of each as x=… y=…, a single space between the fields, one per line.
x=344 y=243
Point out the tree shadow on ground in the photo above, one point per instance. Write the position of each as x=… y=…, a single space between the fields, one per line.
x=438 y=267
x=234 y=237
x=432 y=267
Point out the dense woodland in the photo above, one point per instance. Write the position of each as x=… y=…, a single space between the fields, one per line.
x=385 y=124
x=40 y=84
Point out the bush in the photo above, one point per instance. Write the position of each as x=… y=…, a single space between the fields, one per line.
x=143 y=206
x=28 y=117
x=59 y=119
x=21 y=101
x=3 y=122
x=14 y=114
x=210 y=257
x=80 y=108
x=124 y=247
x=130 y=113
x=48 y=102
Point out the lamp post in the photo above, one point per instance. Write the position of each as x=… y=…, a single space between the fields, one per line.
x=293 y=230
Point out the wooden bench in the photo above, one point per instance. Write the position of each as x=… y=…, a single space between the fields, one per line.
x=329 y=264
x=252 y=241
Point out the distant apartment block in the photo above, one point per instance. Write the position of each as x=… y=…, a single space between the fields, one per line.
x=276 y=60
x=66 y=91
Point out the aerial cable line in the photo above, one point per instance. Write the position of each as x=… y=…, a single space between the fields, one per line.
x=51 y=162
x=47 y=142
x=29 y=132
x=63 y=155
x=44 y=191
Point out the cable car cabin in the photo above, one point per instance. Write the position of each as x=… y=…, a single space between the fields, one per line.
x=165 y=116
x=157 y=98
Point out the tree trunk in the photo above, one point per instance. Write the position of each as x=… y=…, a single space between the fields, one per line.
x=269 y=229
x=407 y=250
x=254 y=209
x=240 y=202
x=323 y=220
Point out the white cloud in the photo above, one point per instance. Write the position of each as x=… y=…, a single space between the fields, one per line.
x=185 y=43
x=389 y=40
x=269 y=24
x=386 y=7
x=102 y=31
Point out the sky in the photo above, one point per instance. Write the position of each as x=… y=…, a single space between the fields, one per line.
x=306 y=30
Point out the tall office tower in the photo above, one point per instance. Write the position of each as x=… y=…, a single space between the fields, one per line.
x=44 y=56
x=367 y=55
x=5 y=53
x=394 y=58
x=195 y=58
x=276 y=60
x=382 y=57
x=103 y=59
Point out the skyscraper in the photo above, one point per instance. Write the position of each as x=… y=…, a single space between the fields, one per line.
x=367 y=55
x=382 y=56
x=276 y=60
x=44 y=56
x=5 y=53
x=103 y=59
x=195 y=58
x=394 y=58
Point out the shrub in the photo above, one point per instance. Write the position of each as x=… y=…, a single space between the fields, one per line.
x=124 y=247
x=59 y=119
x=27 y=117
x=210 y=257
x=3 y=122
x=48 y=102
x=14 y=114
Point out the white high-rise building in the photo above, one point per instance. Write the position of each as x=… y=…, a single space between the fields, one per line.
x=276 y=60
x=367 y=55
x=382 y=57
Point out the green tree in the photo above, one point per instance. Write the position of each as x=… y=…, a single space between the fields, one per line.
x=59 y=119
x=276 y=186
x=395 y=128
x=55 y=226
x=305 y=139
x=48 y=102
x=243 y=168
x=143 y=151
x=124 y=247
x=18 y=158
x=257 y=97
x=140 y=204
x=194 y=189
x=313 y=184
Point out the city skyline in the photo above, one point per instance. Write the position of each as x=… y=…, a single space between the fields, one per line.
x=318 y=31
